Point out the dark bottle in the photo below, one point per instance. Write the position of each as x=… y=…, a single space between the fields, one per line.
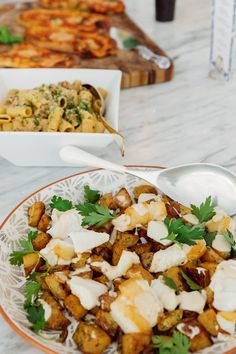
x=165 y=10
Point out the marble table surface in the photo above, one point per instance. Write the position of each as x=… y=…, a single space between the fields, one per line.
x=190 y=119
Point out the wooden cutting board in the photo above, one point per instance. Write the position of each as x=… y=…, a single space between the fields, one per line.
x=136 y=70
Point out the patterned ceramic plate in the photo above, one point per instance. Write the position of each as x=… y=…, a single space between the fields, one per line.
x=12 y=279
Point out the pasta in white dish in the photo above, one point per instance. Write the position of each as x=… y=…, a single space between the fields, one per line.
x=62 y=107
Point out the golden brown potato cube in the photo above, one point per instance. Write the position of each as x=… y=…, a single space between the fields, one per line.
x=123 y=241
x=138 y=272
x=197 y=251
x=144 y=188
x=102 y=279
x=201 y=341
x=211 y=256
x=106 y=300
x=91 y=339
x=93 y=259
x=175 y=274
x=169 y=319
x=73 y=305
x=106 y=322
x=208 y=320
x=55 y=286
x=123 y=199
x=41 y=241
x=135 y=343
x=117 y=282
x=57 y=320
x=105 y=251
x=146 y=259
x=211 y=267
x=35 y=213
x=201 y=276
x=109 y=201
x=156 y=246
x=142 y=248
x=44 y=222
x=173 y=209
x=30 y=261
x=83 y=257
x=210 y=296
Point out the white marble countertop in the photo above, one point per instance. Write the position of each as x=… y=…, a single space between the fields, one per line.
x=191 y=119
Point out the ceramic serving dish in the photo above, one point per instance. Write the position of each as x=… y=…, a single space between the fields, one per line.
x=12 y=278
x=42 y=148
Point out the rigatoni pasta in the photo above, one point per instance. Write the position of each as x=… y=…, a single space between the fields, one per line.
x=62 y=107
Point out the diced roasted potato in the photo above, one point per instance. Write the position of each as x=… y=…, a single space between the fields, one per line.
x=175 y=274
x=73 y=305
x=102 y=279
x=91 y=339
x=109 y=201
x=86 y=275
x=173 y=209
x=123 y=199
x=201 y=341
x=57 y=320
x=198 y=341
x=30 y=261
x=41 y=241
x=35 y=213
x=144 y=188
x=142 y=248
x=220 y=226
x=135 y=343
x=106 y=322
x=210 y=266
x=138 y=272
x=82 y=260
x=117 y=282
x=44 y=222
x=157 y=246
x=123 y=241
x=169 y=319
x=105 y=251
x=146 y=259
x=93 y=259
x=55 y=286
x=106 y=300
x=210 y=296
x=208 y=320
x=200 y=275
x=94 y=310
x=197 y=251
x=211 y=256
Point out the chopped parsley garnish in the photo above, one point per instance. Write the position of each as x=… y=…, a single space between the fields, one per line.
x=60 y=204
x=170 y=282
x=94 y=214
x=16 y=257
x=35 y=315
x=190 y=282
x=205 y=212
x=36 y=122
x=180 y=233
x=7 y=38
x=209 y=238
x=86 y=106
x=178 y=344
x=91 y=195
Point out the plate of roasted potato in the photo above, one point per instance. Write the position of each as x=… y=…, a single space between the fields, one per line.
x=100 y=262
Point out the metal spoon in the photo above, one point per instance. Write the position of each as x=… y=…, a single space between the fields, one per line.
x=187 y=184
x=118 y=137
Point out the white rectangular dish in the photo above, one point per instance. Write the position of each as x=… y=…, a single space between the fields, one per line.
x=42 y=148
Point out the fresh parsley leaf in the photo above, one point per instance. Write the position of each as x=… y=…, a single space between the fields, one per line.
x=16 y=257
x=209 y=238
x=91 y=195
x=170 y=282
x=97 y=215
x=7 y=38
x=230 y=238
x=35 y=315
x=180 y=233
x=178 y=344
x=60 y=204
x=190 y=282
x=31 y=292
x=205 y=212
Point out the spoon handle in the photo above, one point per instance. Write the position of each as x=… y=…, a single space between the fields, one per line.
x=77 y=156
